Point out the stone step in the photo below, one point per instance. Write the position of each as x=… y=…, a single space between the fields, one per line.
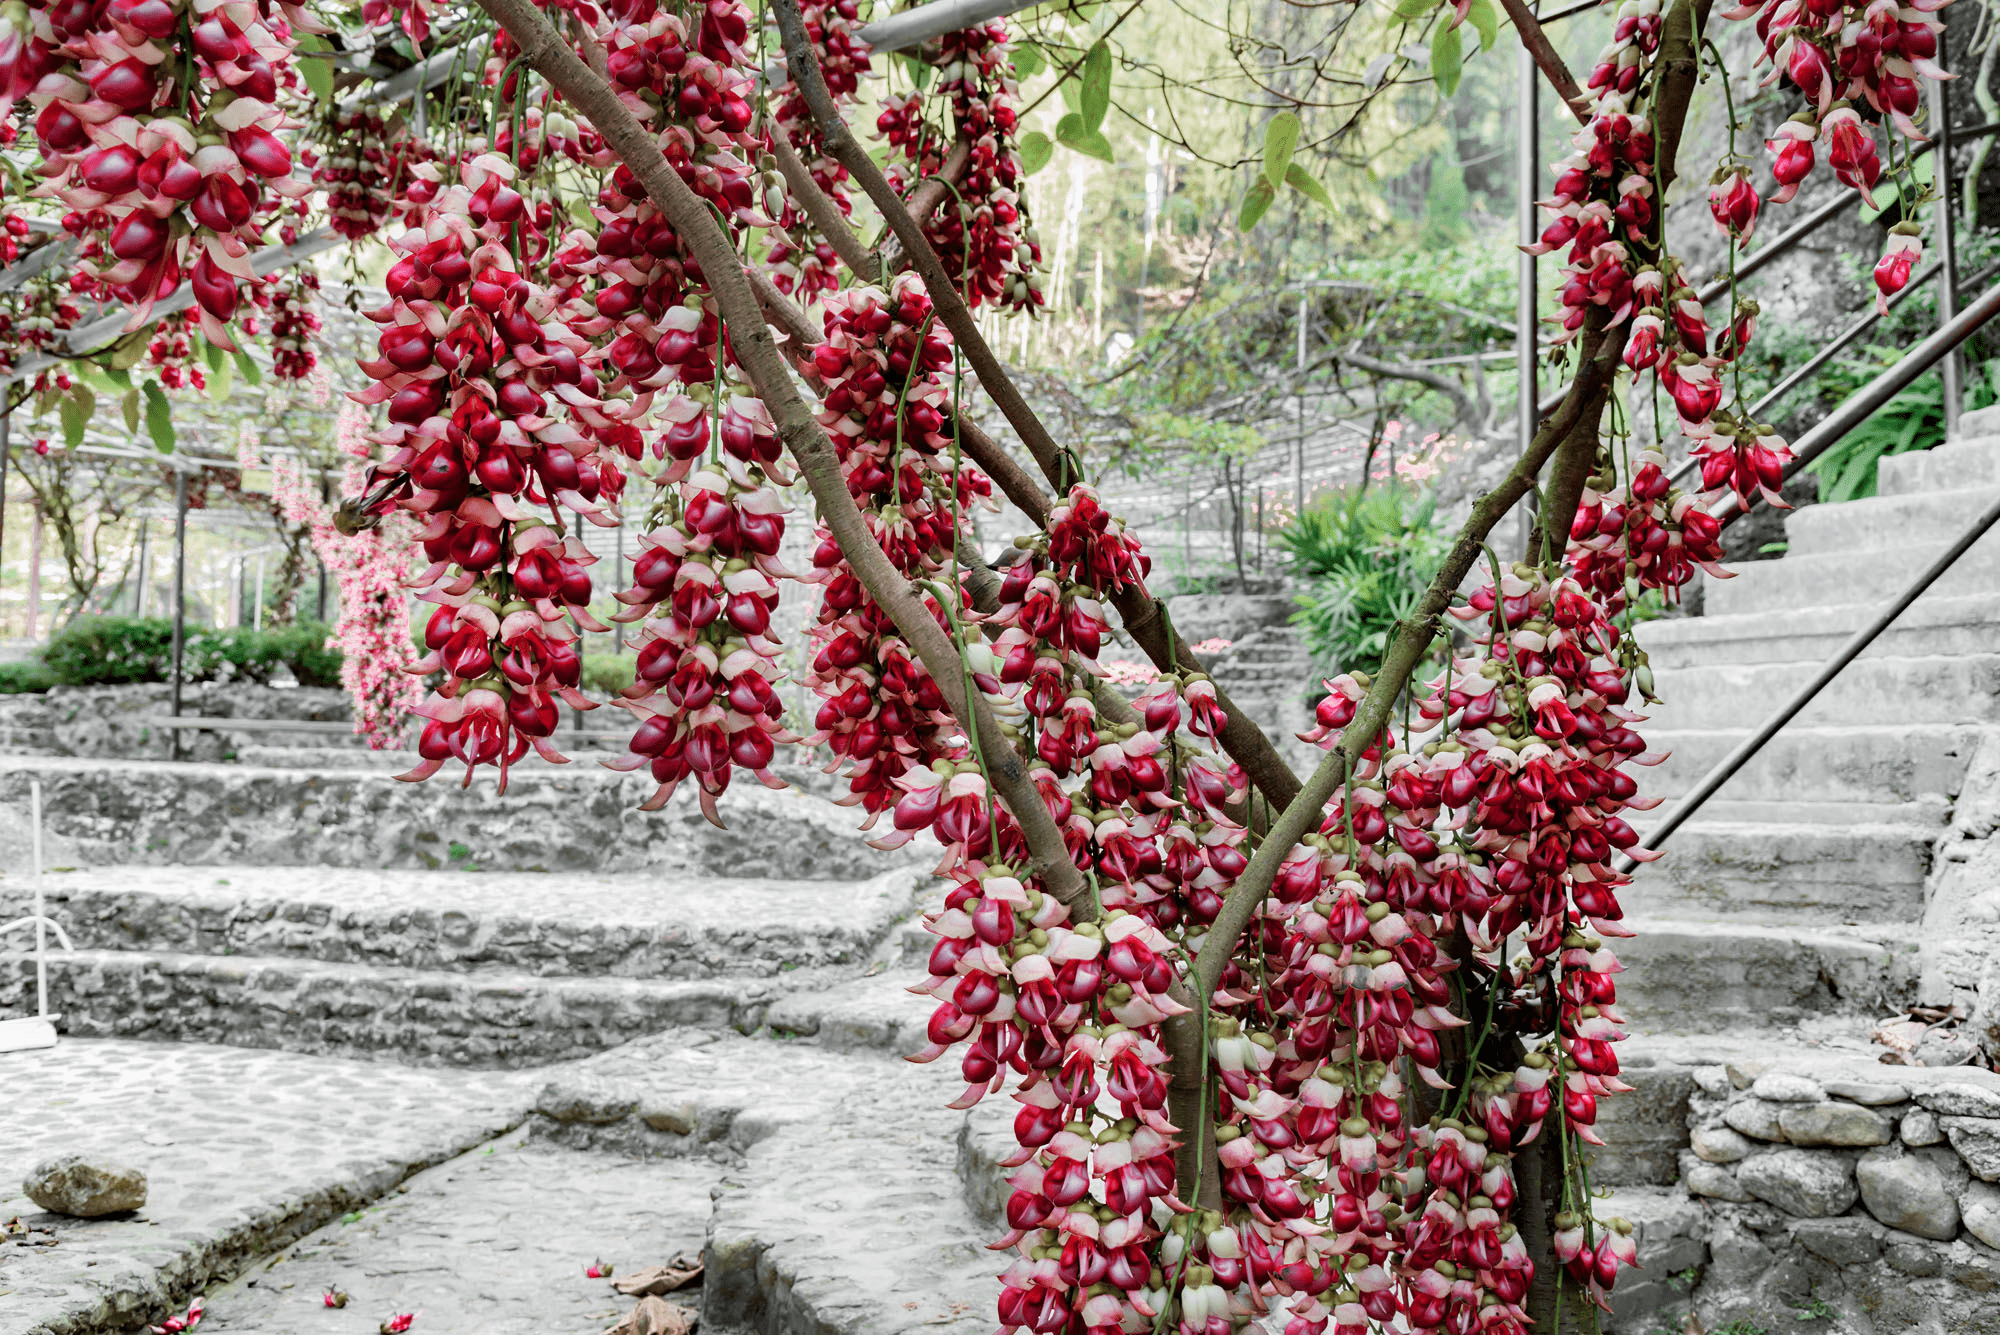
x=1871 y=763
x=1704 y=976
x=1931 y=625
x=573 y=819
x=1801 y=873
x=1879 y=523
x=412 y=1015
x=1965 y=462
x=1844 y=578
x=581 y=925
x=1933 y=689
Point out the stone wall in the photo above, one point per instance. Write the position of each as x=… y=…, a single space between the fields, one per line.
x=1844 y=1196
x=109 y=721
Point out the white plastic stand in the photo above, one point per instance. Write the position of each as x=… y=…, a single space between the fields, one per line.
x=37 y=1030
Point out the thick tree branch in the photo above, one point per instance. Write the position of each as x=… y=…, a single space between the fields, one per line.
x=825 y=215
x=1405 y=652
x=926 y=199
x=1547 y=58
x=757 y=353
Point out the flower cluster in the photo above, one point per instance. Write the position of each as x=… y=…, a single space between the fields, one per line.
x=797 y=262
x=364 y=171
x=983 y=234
x=158 y=128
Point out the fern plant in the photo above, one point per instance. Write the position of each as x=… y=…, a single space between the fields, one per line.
x=1362 y=561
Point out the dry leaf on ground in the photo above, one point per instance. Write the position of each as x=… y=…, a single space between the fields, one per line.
x=678 y=1273
x=656 y=1316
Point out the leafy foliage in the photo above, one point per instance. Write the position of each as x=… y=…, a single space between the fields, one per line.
x=1364 y=560
x=117 y=651
x=1912 y=420
x=22 y=678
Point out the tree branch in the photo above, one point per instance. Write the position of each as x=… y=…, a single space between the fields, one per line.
x=757 y=353
x=926 y=199
x=1548 y=59
x=1241 y=738
x=1461 y=402
x=825 y=215
x=1408 y=649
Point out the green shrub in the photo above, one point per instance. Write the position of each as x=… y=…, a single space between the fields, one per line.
x=21 y=678
x=111 y=651
x=1362 y=561
x=608 y=674
x=115 y=651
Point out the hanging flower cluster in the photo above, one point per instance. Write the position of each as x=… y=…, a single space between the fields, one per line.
x=884 y=403
x=288 y=297
x=157 y=127
x=796 y=261
x=364 y=168
x=369 y=569
x=983 y=233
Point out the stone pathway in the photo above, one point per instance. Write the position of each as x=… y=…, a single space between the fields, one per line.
x=494 y=1242
x=244 y=1151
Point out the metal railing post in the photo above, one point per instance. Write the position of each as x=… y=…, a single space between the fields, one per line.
x=179 y=650
x=1947 y=249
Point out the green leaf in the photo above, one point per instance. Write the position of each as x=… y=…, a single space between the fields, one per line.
x=1484 y=17
x=126 y=352
x=247 y=367
x=1255 y=204
x=159 y=418
x=1281 y=136
x=1070 y=133
x=1447 y=60
x=1036 y=150
x=129 y=406
x=1411 y=10
x=115 y=378
x=318 y=74
x=213 y=355
x=1303 y=181
x=75 y=417
x=1096 y=95
x=1028 y=61
x=221 y=380
x=1072 y=92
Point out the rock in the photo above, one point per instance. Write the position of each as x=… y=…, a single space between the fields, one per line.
x=1867 y=1092
x=1719 y=1144
x=1921 y=1128
x=1913 y=1259
x=1742 y=1074
x=1712 y=1079
x=1835 y=1124
x=1707 y=1179
x=1977 y=1140
x=1944 y=1047
x=1736 y=1255
x=679 y=1118
x=1779 y=1087
x=1800 y=1182
x=1979 y=1210
x=1907 y=1193
x=1754 y=1118
x=1848 y=1240
x=1960 y=1100
x=575 y=1099
x=84 y=1187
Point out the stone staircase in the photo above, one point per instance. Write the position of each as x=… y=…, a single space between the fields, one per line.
x=1817 y=857
x=344 y=913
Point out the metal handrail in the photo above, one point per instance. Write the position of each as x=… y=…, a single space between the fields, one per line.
x=1856 y=644
x=1862 y=404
